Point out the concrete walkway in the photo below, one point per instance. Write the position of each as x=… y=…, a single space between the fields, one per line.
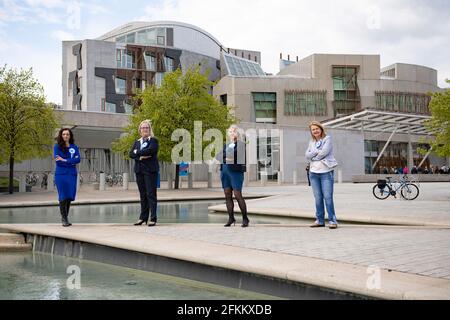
x=356 y=203
x=410 y=251
x=410 y=266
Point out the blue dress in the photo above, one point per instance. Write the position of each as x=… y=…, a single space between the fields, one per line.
x=66 y=172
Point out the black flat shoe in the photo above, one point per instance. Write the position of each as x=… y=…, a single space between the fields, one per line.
x=140 y=222
x=152 y=224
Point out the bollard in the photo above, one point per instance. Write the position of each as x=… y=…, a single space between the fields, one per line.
x=263 y=178
x=102 y=182
x=78 y=181
x=210 y=176
x=246 y=179
x=190 y=180
x=280 y=177
x=125 y=180
x=295 y=178
x=50 y=179
x=340 y=176
x=23 y=183
x=169 y=179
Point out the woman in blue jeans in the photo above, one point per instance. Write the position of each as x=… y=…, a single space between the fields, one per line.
x=321 y=163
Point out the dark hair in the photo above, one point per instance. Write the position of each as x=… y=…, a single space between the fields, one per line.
x=60 y=140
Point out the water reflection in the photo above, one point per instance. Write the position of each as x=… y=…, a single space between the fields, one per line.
x=43 y=276
x=168 y=212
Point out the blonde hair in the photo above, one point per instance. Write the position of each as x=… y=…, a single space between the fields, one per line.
x=146 y=121
x=238 y=131
x=317 y=124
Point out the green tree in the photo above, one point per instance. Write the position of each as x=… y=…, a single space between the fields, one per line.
x=439 y=124
x=183 y=97
x=27 y=122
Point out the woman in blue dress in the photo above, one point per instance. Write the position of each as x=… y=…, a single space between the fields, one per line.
x=232 y=161
x=66 y=155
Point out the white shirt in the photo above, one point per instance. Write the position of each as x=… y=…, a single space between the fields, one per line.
x=318 y=167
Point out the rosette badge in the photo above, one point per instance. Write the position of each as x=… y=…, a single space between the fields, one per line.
x=72 y=152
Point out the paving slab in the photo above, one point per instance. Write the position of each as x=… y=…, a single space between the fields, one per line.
x=355 y=203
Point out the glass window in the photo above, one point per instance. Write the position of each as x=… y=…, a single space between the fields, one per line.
x=151 y=36
x=242 y=67
x=141 y=37
x=120 y=39
x=121 y=86
x=159 y=78
x=128 y=108
x=402 y=102
x=168 y=62
x=110 y=107
x=265 y=104
x=150 y=61
x=131 y=37
x=161 y=36
x=305 y=103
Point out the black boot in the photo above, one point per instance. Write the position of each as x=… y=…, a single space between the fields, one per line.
x=231 y=221
x=243 y=207
x=63 y=210
x=230 y=208
x=245 y=220
x=67 y=213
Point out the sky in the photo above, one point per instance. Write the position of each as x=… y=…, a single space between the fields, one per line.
x=406 y=31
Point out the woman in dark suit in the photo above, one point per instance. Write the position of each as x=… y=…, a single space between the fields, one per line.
x=145 y=154
x=232 y=168
x=67 y=156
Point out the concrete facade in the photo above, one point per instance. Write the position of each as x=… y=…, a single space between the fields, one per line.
x=315 y=74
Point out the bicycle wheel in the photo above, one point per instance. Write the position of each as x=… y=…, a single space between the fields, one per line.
x=409 y=191
x=380 y=193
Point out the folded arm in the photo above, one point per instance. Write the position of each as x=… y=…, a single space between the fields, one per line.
x=324 y=151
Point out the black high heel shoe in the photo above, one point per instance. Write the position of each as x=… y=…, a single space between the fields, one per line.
x=140 y=222
x=230 y=222
x=245 y=223
x=152 y=224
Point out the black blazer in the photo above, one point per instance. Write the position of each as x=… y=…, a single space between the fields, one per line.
x=148 y=165
x=239 y=157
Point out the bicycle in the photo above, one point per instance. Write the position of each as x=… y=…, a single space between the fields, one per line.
x=31 y=179
x=385 y=188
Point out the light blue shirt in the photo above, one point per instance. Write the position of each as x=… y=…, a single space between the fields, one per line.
x=321 y=150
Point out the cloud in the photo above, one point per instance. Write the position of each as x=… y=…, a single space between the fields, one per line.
x=62 y=35
x=400 y=31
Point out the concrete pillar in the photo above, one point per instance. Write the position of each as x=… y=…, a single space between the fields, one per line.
x=169 y=178
x=78 y=181
x=280 y=177
x=102 y=186
x=294 y=179
x=190 y=179
x=339 y=176
x=247 y=175
x=263 y=178
x=22 y=183
x=210 y=175
x=50 y=178
x=125 y=180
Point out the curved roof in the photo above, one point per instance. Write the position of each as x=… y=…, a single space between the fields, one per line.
x=139 y=25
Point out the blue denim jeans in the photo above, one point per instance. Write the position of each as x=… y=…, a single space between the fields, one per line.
x=322 y=185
